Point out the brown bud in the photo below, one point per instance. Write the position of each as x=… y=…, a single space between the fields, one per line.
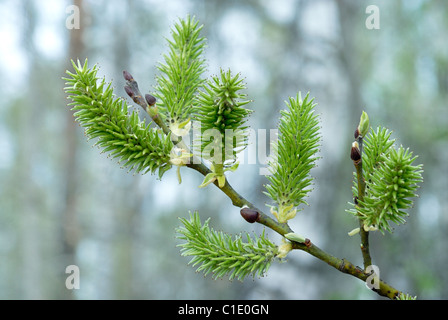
x=129 y=91
x=151 y=100
x=127 y=76
x=355 y=153
x=250 y=215
x=356 y=133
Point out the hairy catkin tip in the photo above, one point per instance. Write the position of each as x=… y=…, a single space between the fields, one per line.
x=250 y=215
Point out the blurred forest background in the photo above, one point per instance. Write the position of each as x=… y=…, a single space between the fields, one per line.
x=64 y=203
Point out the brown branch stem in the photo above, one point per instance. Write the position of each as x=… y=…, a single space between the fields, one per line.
x=364 y=234
x=347 y=267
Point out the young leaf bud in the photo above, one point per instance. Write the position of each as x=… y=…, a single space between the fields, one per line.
x=354 y=231
x=295 y=237
x=151 y=100
x=364 y=124
x=355 y=153
x=356 y=133
x=250 y=215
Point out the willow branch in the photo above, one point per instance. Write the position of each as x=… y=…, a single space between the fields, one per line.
x=347 y=267
x=147 y=103
x=341 y=265
x=364 y=234
x=239 y=201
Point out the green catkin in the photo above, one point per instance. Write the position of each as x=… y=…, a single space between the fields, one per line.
x=221 y=254
x=107 y=120
x=391 y=182
x=296 y=155
x=180 y=75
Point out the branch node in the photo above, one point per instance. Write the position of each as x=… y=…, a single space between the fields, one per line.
x=308 y=243
x=342 y=265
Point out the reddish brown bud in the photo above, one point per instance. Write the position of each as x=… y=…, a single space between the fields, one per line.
x=355 y=153
x=127 y=76
x=250 y=215
x=356 y=133
x=129 y=91
x=151 y=100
